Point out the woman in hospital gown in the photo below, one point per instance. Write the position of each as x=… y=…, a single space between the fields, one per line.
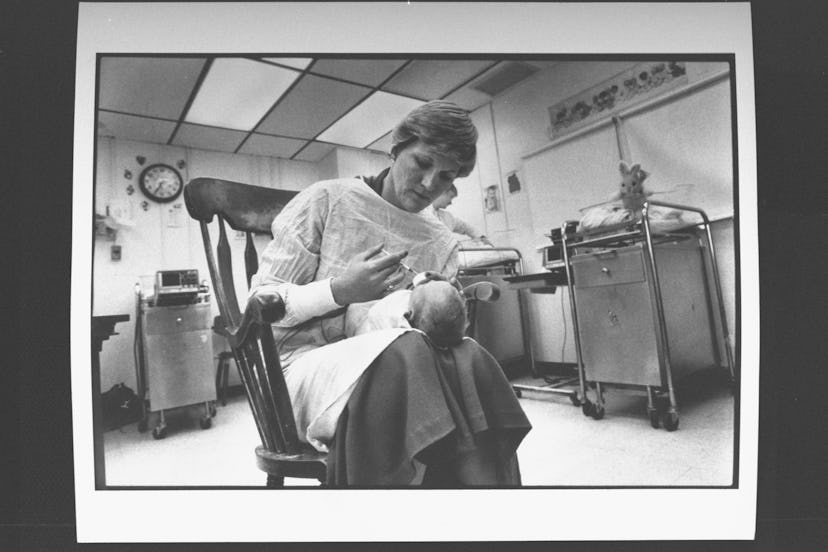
x=390 y=408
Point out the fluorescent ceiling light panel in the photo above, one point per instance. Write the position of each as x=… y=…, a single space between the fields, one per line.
x=298 y=63
x=238 y=92
x=369 y=120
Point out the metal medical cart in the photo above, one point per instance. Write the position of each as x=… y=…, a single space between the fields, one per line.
x=173 y=349
x=647 y=309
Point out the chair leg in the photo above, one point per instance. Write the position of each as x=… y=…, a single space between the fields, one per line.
x=221 y=379
x=275 y=481
x=224 y=373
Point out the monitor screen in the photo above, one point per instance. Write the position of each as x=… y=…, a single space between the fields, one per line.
x=170 y=279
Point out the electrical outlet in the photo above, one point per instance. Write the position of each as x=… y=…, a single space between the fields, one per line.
x=115 y=252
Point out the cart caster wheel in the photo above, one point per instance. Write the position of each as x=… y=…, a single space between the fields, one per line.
x=574 y=399
x=654 y=421
x=213 y=410
x=597 y=412
x=671 y=421
x=518 y=392
x=206 y=422
x=142 y=426
x=159 y=432
x=588 y=408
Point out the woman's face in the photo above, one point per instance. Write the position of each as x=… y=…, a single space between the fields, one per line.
x=417 y=177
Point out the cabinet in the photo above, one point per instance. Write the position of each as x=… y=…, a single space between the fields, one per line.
x=621 y=339
x=177 y=359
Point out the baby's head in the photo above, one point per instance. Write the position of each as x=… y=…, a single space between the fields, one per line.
x=437 y=308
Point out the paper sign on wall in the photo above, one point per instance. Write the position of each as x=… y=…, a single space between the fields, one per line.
x=175 y=216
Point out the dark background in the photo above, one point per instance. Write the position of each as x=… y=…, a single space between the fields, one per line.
x=37 y=40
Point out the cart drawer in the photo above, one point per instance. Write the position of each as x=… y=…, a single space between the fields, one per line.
x=618 y=266
x=168 y=320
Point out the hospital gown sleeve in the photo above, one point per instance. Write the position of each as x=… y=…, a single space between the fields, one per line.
x=289 y=262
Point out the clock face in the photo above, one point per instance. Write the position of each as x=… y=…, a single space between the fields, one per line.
x=161 y=183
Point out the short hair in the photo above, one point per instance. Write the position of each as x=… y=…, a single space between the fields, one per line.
x=444 y=127
x=441 y=316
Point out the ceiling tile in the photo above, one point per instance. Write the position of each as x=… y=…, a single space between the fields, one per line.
x=296 y=63
x=272 y=146
x=129 y=127
x=315 y=151
x=430 y=79
x=311 y=106
x=369 y=120
x=370 y=72
x=383 y=144
x=208 y=138
x=238 y=92
x=468 y=98
x=158 y=87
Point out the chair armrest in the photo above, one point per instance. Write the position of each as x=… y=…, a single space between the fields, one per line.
x=263 y=308
x=482 y=291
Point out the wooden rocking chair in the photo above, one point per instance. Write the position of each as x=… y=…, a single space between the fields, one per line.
x=251 y=209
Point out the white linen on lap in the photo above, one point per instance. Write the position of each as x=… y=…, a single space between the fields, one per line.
x=321 y=381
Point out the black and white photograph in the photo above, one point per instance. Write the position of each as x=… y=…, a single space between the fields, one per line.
x=330 y=266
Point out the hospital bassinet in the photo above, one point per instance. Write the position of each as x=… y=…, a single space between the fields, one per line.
x=647 y=308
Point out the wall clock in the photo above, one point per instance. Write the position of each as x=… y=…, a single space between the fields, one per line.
x=161 y=183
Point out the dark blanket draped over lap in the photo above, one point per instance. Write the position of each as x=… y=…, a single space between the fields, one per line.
x=452 y=410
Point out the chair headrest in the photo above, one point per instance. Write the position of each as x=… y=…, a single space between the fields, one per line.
x=244 y=207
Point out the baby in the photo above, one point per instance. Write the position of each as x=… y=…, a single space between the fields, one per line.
x=435 y=307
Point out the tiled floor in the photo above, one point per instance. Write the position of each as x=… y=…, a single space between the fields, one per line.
x=564 y=448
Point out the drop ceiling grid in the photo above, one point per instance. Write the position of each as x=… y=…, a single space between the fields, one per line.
x=323 y=108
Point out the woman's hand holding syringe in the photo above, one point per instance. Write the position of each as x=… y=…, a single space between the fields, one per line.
x=369 y=276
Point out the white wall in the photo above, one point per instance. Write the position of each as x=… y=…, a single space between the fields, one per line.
x=515 y=124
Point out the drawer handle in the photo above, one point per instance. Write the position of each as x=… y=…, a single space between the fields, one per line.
x=178 y=321
x=605 y=270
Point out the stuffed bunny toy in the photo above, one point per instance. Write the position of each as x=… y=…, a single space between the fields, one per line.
x=631 y=192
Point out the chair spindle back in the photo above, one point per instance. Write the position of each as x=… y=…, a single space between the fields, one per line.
x=250 y=209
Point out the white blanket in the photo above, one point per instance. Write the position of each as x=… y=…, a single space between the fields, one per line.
x=321 y=381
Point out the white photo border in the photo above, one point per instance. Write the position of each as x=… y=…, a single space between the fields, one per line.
x=413 y=515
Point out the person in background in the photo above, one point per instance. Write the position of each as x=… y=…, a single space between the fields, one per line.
x=455 y=224
x=389 y=407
